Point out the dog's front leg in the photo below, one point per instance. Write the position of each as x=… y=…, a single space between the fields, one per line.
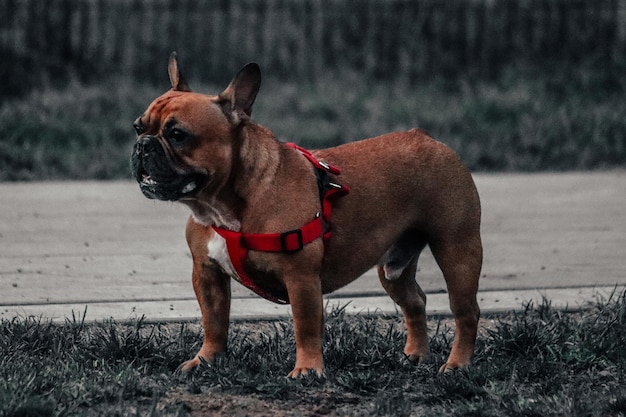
x=212 y=288
x=307 y=306
x=213 y=294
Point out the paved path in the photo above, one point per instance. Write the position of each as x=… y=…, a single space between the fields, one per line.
x=101 y=246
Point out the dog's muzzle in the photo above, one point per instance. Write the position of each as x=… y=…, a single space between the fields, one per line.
x=157 y=173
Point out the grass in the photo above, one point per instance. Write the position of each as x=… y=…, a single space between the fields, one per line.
x=536 y=362
x=560 y=118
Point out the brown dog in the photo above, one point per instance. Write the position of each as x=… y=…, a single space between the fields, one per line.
x=406 y=191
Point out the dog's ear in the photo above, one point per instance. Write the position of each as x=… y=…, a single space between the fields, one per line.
x=176 y=77
x=239 y=96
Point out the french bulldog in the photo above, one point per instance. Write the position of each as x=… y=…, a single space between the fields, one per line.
x=293 y=225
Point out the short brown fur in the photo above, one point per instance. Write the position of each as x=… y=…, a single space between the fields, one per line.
x=407 y=191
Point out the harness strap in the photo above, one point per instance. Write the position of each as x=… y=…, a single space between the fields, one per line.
x=238 y=253
x=328 y=189
x=238 y=243
x=318 y=164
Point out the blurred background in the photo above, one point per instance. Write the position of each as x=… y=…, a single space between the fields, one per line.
x=510 y=85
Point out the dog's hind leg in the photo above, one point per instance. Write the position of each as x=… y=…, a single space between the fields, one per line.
x=396 y=271
x=460 y=261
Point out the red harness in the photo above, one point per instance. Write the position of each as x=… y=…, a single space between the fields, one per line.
x=239 y=243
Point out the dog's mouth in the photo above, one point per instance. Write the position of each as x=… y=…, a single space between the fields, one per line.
x=146 y=180
x=159 y=179
x=151 y=185
x=171 y=188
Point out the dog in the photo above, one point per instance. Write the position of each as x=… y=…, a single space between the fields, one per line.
x=294 y=225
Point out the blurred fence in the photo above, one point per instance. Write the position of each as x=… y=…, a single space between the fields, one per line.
x=43 y=40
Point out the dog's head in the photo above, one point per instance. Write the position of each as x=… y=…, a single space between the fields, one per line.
x=185 y=140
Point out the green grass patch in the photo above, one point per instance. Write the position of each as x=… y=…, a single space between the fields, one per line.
x=536 y=362
x=81 y=132
x=527 y=120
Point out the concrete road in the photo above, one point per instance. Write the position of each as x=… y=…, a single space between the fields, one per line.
x=65 y=246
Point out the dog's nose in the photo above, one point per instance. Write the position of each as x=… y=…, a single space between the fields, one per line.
x=144 y=146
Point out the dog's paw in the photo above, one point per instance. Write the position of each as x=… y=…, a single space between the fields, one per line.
x=450 y=366
x=304 y=372
x=417 y=359
x=417 y=356
x=190 y=365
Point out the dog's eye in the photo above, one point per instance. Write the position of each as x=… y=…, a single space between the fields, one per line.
x=178 y=136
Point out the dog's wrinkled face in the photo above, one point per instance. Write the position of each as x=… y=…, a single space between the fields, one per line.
x=184 y=139
x=182 y=146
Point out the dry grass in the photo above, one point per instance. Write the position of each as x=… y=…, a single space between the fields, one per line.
x=537 y=362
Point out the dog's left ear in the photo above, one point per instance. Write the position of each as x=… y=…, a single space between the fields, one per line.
x=239 y=96
x=176 y=77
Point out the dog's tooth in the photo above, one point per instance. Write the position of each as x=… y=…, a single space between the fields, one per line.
x=147 y=180
x=189 y=187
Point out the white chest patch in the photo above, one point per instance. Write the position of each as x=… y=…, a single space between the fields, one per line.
x=219 y=253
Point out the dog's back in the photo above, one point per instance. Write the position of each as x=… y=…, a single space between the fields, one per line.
x=409 y=186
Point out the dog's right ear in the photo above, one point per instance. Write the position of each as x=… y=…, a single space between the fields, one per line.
x=238 y=98
x=176 y=77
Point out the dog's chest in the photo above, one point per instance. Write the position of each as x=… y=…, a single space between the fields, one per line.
x=218 y=252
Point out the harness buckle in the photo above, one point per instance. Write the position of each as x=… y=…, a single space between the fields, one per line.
x=285 y=241
x=324 y=165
